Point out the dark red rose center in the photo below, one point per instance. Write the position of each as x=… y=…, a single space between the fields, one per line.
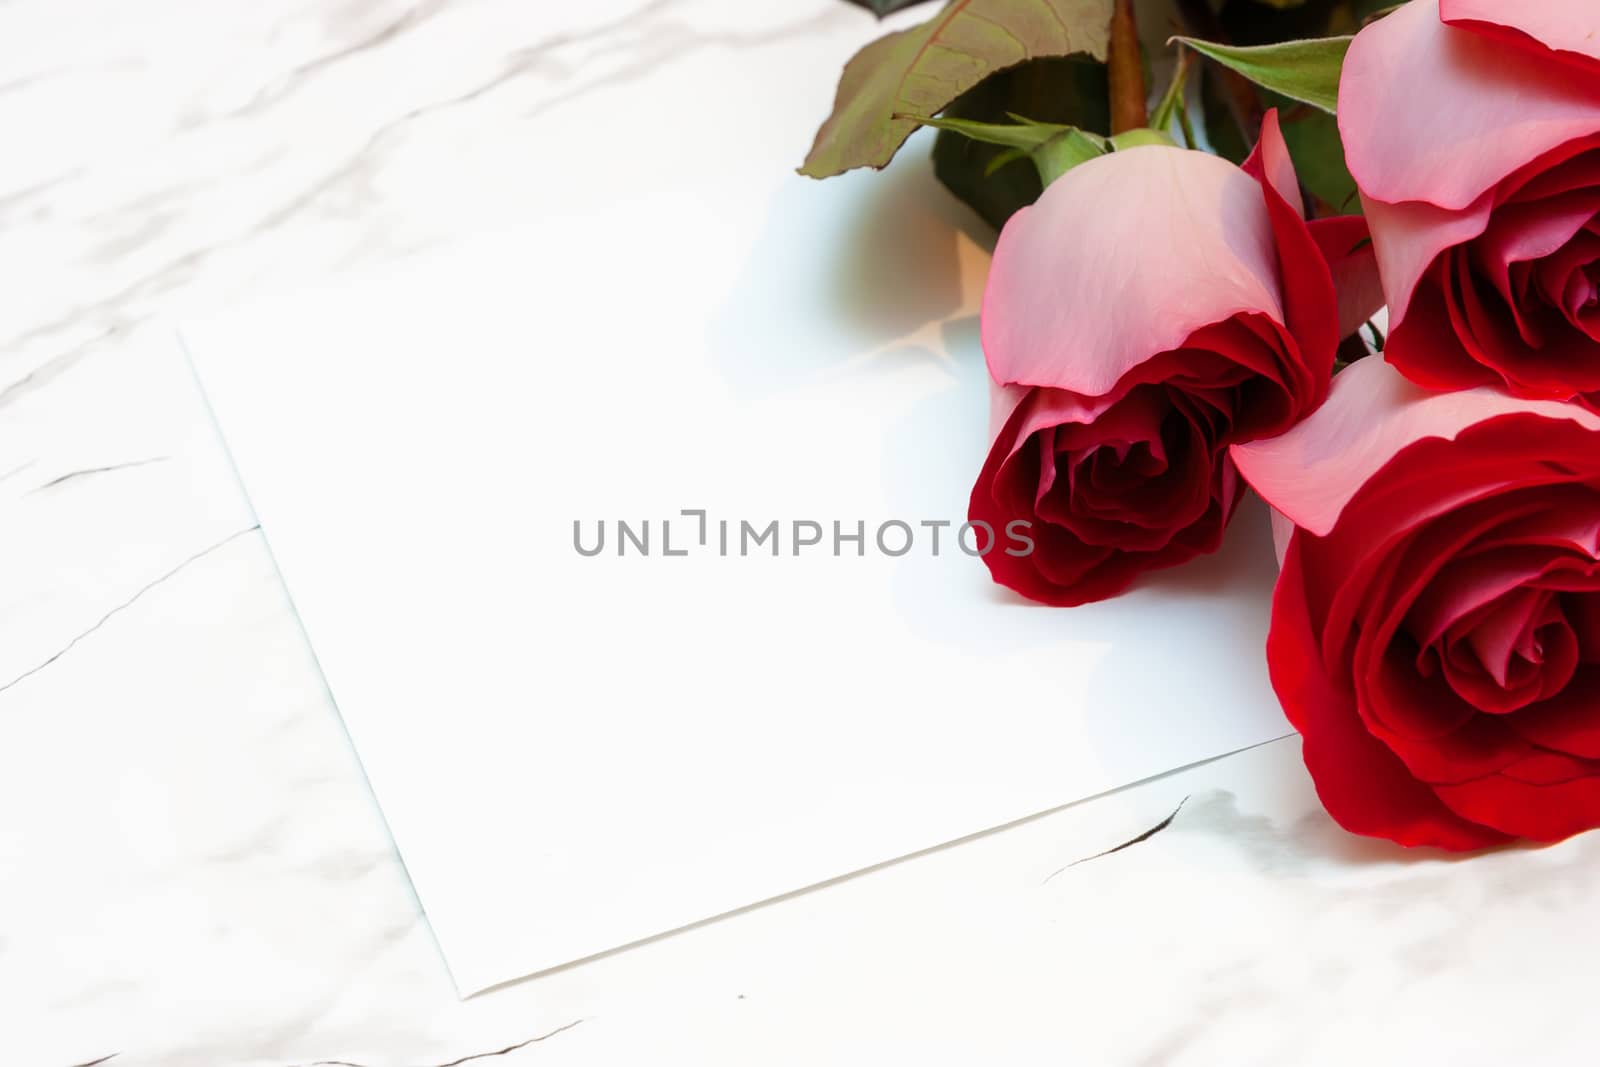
x=1130 y=480
x=1512 y=652
x=1139 y=479
x=1522 y=298
x=1565 y=283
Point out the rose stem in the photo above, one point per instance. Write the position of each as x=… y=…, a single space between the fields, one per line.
x=1126 y=71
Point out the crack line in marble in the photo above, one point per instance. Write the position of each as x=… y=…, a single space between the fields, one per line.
x=467 y=1059
x=86 y=472
x=70 y=645
x=1147 y=835
x=96 y=1063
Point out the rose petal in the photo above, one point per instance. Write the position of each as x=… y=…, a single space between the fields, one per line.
x=1436 y=502
x=1063 y=569
x=1408 y=694
x=1565 y=279
x=1310 y=303
x=1415 y=518
x=1282 y=532
x=1122 y=258
x=1467 y=584
x=1363 y=785
x=1003 y=400
x=1482 y=744
x=1583 y=612
x=1062 y=565
x=1147 y=513
x=1549 y=768
x=1538 y=812
x=1572 y=168
x=1569 y=28
x=1425 y=346
x=1496 y=636
x=1408 y=240
x=1311 y=472
x=1352 y=259
x=1528 y=231
x=1560 y=369
x=1391 y=694
x=1435 y=113
x=1270 y=164
x=1004 y=491
x=1567 y=722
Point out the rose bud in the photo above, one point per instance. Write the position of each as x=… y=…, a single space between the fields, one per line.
x=1435 y=630
x=1472 y=128
x=1154 y=306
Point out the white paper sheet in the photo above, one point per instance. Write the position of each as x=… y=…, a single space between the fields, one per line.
x=578 y=753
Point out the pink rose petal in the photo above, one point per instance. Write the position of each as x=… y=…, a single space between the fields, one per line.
x=1439 y=114
x=1311 y=472
x=1569 y=28
x=1078 y=296
x=1408 y=237
x=1352 y=259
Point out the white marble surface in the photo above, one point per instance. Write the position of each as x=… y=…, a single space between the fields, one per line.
x=192 y=871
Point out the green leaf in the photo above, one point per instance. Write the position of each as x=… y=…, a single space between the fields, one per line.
x=899 y=80
x=1171 y=104
x=1001 y=159
x=995 y=181
x=1020 y=134
x=1142 y=136
x=1064 y=151
x=1053 y=148
x=1307 y=71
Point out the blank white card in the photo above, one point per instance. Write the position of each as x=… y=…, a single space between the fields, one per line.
x=577 y=752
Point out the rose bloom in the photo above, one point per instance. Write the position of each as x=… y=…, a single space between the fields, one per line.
x=1473 y=130
x=1154 y=306
x=1435 y=630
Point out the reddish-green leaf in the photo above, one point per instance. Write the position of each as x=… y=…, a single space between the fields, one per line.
x=1054 y=149
x=900 y=80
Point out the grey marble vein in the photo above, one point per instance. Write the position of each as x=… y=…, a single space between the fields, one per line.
x=86 y=472
x=126 y=604
x=474 y=1056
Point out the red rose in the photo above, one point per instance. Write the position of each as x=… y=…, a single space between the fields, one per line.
x=1473 y=130
x=1153 y=307
x=1436 y=626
